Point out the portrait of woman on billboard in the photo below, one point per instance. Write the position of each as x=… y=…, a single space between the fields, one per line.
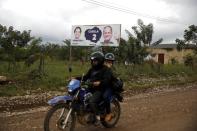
x=77 y=33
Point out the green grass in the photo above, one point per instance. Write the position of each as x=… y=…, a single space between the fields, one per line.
x=57 y=75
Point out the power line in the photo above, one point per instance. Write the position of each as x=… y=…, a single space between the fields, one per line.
x=111 y=6
x=126 y=10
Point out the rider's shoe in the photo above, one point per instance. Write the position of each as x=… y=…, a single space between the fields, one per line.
x=108 y=117
x=98 y=117
x=97 y=120
x=91 y=119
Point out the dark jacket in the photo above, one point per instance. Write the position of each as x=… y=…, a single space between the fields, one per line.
x=103 y=74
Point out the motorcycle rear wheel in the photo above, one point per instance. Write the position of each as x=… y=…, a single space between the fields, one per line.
x=115 y=110
x=54 y=120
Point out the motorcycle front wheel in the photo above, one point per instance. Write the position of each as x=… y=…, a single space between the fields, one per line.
x=55 y=117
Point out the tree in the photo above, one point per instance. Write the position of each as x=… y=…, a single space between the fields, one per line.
x=144 y=33
x=13 y=43
x=38 y=52
x=136 y=46
x=77 y=53
x=190 y=37
x=135 y=51
x=121 y=53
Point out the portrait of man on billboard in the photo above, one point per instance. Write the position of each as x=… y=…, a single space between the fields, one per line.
x=107 y=35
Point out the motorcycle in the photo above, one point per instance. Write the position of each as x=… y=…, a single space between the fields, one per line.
x=68 y=109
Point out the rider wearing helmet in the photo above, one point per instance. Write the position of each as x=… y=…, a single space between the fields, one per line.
x=97 y=59
x=100 y=77
x=109 y=60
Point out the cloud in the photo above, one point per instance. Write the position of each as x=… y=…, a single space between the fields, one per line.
x=46 y=18
x=169 y=32
x=181 y=2
x=53 y=20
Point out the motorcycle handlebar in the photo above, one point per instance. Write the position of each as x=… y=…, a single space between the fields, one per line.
x=86 y=84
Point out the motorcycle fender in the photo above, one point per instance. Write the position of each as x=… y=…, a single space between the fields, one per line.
x=59 y=99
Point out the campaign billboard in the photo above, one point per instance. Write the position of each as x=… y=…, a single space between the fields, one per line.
x=96 y=35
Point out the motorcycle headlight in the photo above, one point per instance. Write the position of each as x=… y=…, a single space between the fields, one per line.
x=69 y=90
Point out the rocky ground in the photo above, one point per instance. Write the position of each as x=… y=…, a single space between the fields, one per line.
x=160 y=109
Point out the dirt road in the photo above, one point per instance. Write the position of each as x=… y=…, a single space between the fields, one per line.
x=171 y=110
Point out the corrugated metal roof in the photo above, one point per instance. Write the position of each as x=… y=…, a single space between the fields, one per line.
x=170 y=46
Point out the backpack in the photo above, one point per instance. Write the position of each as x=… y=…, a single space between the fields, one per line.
x=117 y=85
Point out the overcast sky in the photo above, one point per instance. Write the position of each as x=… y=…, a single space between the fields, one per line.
x=53 y=19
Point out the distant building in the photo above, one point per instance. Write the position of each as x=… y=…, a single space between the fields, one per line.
x=168 y=53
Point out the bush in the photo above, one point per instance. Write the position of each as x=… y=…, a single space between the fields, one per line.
x=173 y=61
x=156 y=67
x=190 y=60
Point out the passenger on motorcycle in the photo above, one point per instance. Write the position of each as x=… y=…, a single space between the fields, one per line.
x=109 y=60
x=100 y=76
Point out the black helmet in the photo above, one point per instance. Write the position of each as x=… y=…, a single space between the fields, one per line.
x=110 y=56
x=97 y=56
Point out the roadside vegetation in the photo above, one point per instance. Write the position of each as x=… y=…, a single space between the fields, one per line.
x=31 y=66
x=56 y=77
